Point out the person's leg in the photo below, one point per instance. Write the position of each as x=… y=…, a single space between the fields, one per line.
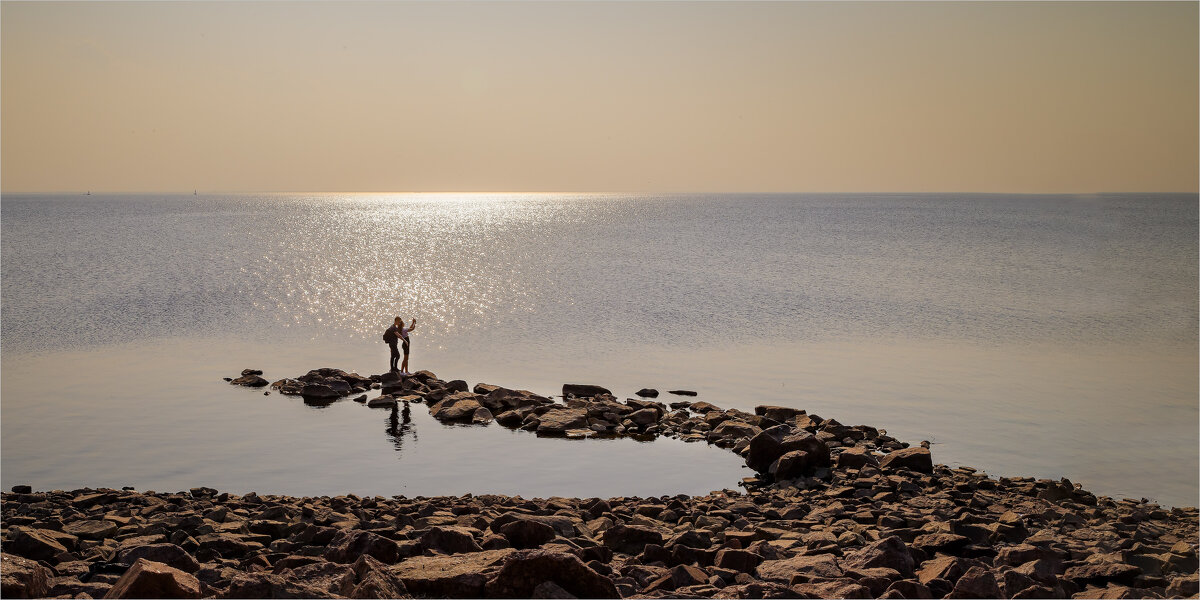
x=404 y=365
x=395 y=356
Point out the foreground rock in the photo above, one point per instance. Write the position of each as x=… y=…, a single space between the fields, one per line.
x=859 y=532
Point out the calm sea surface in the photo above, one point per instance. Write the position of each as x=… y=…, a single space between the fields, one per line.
x=1046 y=336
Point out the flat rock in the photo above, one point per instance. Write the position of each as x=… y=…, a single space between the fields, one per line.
x=580 y=390
x=783 y=570
x=455 y=576
x=167 y=554
x=915 y=459
x=559 y=420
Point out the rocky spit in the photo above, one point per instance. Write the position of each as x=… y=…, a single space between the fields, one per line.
x=834 y=511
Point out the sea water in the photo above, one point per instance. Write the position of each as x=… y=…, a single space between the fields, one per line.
x=1048 y=336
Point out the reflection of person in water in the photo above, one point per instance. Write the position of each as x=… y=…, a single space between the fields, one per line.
x=400 y=425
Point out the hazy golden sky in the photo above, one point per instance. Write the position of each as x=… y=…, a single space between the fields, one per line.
x=606 y=96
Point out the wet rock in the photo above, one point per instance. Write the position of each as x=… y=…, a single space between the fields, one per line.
x=558 y=421
x=682 y=392
x=580 y=390
x=148 y=579
x=317 y=391
x=250 y=380
x=772 y=443
x=915 y=459
x=383 y=401
x=525 y=570
x=780 y=414
x=644 y=417
x=167 y=554
x=450 y=540
x=457 y=407
x=791 y=465
x=22 y=577
x=648 y=393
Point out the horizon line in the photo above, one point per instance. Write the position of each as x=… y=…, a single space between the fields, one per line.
x=595 y=192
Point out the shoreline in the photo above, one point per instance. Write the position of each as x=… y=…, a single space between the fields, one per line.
x=833 y=511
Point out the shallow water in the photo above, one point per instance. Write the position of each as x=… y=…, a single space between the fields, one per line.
x=1045 y=336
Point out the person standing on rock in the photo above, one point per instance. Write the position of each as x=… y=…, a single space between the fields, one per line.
x=391 y=336
x=404 y=338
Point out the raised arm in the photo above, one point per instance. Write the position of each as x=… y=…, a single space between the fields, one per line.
x=413 y=325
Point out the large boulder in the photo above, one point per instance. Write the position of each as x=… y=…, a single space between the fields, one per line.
x=977 y=582
x=631 y=539
x=23 y=578
x=503 y=399
x=856 y=457
x=347 y=545
x=559 y=420
x=167 y=554
x=737 y=560
x=780 y=414
x=319 y=392
x=36 y=544
x=91 y=529
x=149 y=579
x=525 y=570
x=583 y=390
x=890 y=552
x=455 y=576
x=768 y=445
x=527 y=533
x=450 y=540
x=333 y=578
x=459 y=406
x=914 y=459
x=809 y=565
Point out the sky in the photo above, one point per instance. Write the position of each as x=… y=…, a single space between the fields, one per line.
x=1006 y=97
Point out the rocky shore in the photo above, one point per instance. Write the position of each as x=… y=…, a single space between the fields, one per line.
x=834 y=511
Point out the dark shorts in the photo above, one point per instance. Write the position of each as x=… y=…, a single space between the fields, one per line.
x=406 y=346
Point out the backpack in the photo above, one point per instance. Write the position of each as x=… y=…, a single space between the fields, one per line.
x=389 y=337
